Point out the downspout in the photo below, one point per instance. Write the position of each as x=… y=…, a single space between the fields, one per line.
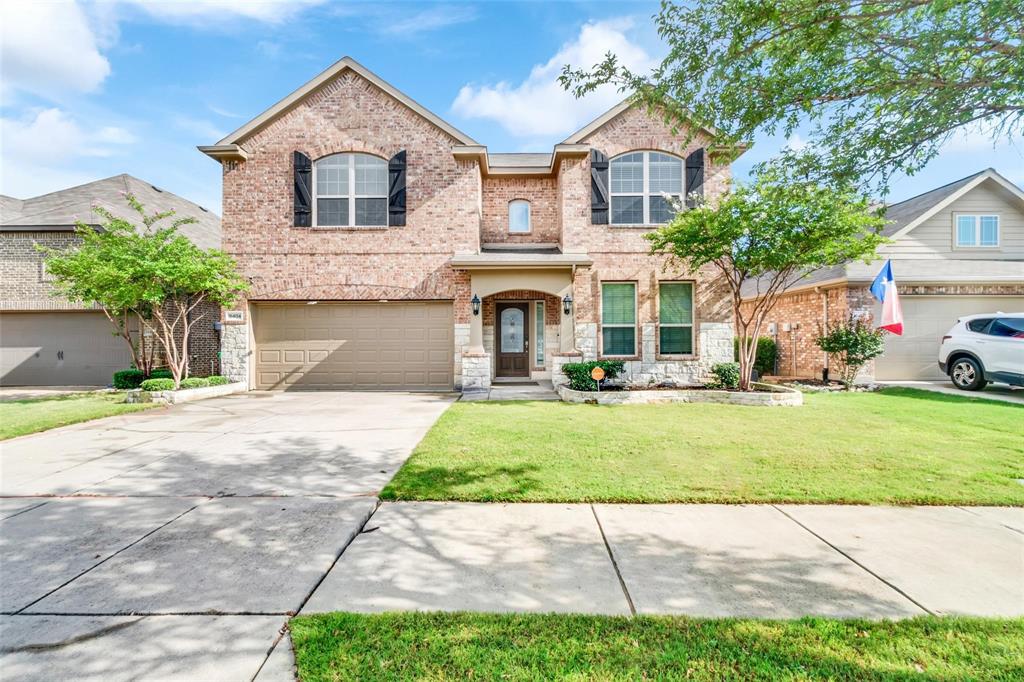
x=824 y=317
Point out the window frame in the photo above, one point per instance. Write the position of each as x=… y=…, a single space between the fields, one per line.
x=646 y=194
x=529 y=216
x=351 y=196
x=634 y=326
x=539 y=350
x=673 y=325
x=977 y=230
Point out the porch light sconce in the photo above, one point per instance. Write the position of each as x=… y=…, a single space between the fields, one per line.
x=476 y=304
x=567 y=304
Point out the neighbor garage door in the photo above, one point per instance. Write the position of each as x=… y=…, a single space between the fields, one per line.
x=354 y=346
x=59 y=349
x=915 y=355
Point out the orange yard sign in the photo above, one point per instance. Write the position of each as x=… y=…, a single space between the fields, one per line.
x=597 y=374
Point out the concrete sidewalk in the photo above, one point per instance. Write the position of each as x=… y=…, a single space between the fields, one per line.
x=1000 y=392
x=763 y=561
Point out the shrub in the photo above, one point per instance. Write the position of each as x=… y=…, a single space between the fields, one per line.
x=162 y=373
x=194 y=382
x=157 y=385
x=727 y=375
x=850 y=345
x=579 y=373
x=764 y=360
x=217 y=380
x=128 y=378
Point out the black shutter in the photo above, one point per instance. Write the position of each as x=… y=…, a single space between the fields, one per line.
x=598 y=188
x=396 y=190
x=694 y=176
x=303 y=172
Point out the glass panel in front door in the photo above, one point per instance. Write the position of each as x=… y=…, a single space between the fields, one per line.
x=512 y=330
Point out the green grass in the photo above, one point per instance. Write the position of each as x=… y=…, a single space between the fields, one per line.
x=896 y=446
x=450 y=646
x=21 y=417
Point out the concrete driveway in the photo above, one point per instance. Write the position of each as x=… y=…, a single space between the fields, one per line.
x=174 y=544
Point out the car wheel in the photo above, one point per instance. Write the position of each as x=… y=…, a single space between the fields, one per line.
x=967 y=375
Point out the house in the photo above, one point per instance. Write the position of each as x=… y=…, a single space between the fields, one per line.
x=49 y=341
x=955 y=250
x=389 y=250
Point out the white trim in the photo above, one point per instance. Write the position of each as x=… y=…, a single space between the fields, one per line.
x=636 y=319
x=343 y=64
x=987 y=174
x=350 y=196
x=977 y=245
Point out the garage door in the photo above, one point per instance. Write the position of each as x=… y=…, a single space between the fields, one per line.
x=354 y=346
x=915 y=355
x=59 y=349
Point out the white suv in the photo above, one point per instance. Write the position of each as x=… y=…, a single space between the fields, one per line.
x=983 y=348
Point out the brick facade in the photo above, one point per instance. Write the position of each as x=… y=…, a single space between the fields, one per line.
x=24 y=287
x=451 y=209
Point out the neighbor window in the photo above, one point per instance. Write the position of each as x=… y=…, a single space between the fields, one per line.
x=618 y=318
x=351 y=190
x=675 y=318
x=977 y=230
x=519 y=216
x=539 y=331
x=638 y=182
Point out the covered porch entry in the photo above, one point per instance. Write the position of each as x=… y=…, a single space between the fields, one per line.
x=522 y=317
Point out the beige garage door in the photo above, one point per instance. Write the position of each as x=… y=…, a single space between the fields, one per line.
x=59 y=349
x=354 y=346
x=915 y=355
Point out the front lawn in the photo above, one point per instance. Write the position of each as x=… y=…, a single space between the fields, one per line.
x=898 y=446
x=450 y=646
x=20 y=417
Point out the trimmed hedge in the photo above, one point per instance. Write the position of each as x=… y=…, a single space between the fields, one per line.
x=128 y=378
x=194 y=382
x=579 y=373
x=727 y=375
x=157 y=385
x=161 y=374
x=764 y=358
x=217 y=380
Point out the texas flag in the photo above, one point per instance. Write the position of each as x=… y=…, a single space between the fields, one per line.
x=884 y=289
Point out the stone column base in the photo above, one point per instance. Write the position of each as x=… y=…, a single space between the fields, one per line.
x=476 y=372
x=558 y=377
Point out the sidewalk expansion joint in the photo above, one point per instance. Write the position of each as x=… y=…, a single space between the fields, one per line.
x=859 y=564
x=974 y=513
x=615 y=564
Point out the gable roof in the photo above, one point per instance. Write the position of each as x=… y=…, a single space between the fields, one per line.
x=340 y=66
x=58 y=211
x=908 y=214
x=610 y=115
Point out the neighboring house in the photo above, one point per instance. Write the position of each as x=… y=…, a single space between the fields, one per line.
x=388 y=250
x=49 y=341
x=956 y=250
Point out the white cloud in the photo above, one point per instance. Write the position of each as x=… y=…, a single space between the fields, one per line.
x=203 y=129
x=37 y=150
x=539 y=106
x=49 y=48
x=192 y=11
x=432 y=19
x=972 y=138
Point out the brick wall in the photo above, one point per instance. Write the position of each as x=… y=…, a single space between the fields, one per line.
x=23 y=284
x=542 y=193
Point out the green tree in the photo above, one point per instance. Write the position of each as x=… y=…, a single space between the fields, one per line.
x=770 y=233
x=850 y=345
x=152 y=274
x=882 y=83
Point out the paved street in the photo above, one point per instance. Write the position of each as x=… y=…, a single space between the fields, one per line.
x=174 y=544
x=762 y=561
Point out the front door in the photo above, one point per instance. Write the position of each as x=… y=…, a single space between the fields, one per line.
x=513 y=342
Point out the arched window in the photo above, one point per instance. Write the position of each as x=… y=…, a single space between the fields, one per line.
x=519 y=216
x=351 y=191
x=638 y=181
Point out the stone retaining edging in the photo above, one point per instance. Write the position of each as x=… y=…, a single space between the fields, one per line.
x=772 y=396
x=185 y=395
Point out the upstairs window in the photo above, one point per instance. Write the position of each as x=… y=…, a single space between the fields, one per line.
x=351 y=191
x=519 y=216
x=977 y=230
x=638 y=182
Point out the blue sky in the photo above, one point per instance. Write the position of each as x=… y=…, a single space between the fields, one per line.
x=92 y=89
